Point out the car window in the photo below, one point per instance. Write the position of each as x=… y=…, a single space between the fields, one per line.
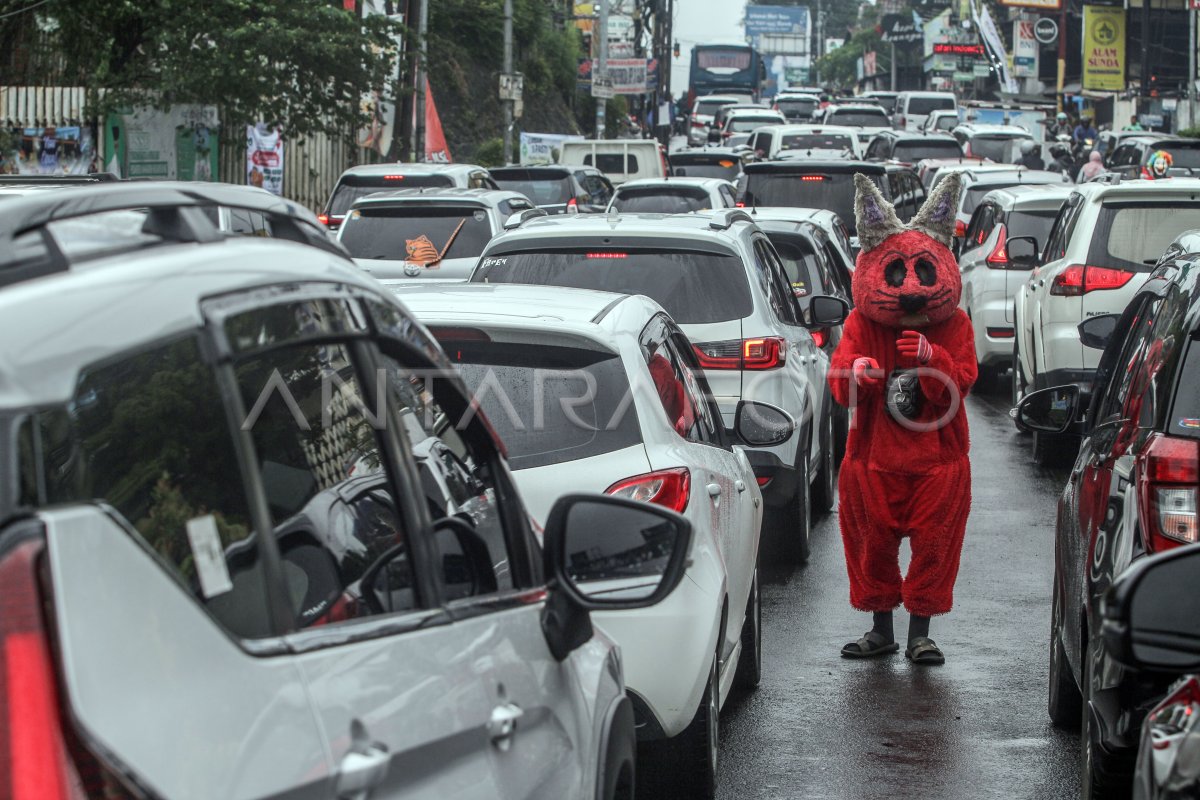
x=328 y=490
x=801 y=264
x=877 y=148
x=1133 y=352
x=1185 y=413
x=420 y=234
x=675 y=384
x=1133 y=236
x=661 y=199
x=1149 y=396
x=775 y=284
x=914 y=150
x=612 y=163
x=976 y=234
x=831 y=190
x=456 y=474
x=248 y=223
x=147 y=434
x=727 y=197
x=763 y=145
x=1056 y=244
x=924 y=105
x=542 y=191
x=352 y=187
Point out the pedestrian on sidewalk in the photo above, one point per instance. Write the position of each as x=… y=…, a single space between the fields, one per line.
x=905 y=362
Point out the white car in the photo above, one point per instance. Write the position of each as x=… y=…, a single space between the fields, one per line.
x=718 y=276
x=704 y=111
x=1103 y=245
x=599 y=392
x=745 y=121
x=866 y=118
x=771 y=141
x=942 y=121
x=990 y=278
x=673 y=195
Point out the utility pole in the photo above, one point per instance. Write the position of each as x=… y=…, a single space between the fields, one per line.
x=1062 y=53
x=1191 y=79
x=422 y=77
x=508 y=68
x=893 y=66
x=601 y=70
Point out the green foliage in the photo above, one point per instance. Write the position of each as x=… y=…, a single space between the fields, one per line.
x=839 y=68
x=490 y=153
x=1191 y=133
x=301 y=63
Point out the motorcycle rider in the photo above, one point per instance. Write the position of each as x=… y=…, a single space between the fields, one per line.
x=1085 y=132
x=1031 y=155
x=1060 y=126
x=1060 y=153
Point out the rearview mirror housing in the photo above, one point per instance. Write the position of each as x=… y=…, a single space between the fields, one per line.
x=825 y=310
x=1095 y=332
x=761 y=424
x=1150 y=618
x=1022 y=252
x=1050 y=410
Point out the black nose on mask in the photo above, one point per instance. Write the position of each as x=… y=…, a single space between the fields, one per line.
x=912 y=303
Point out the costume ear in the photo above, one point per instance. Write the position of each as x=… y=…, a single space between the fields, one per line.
x=937 y=215
x=874 y=217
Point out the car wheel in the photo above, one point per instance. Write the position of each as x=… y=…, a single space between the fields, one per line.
x=694 y=751
x=796 y=516
x=1103 y=776
x=1065 y=699
x=749 y=668
x=825 y=486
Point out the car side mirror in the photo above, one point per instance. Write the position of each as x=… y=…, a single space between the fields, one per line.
x=825 y=310
x=607 y=553
x=761 y=424
x=1150 y=618
x=1049 y=410
x=1022 y=252
x=1095 y=332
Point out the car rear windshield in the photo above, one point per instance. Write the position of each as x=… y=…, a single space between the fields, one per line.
x=709 y=107
x=353 y=187
x=420 y=234
x=831 y=190
x=1183 y=154
x=998 y=147
x=1133 y=236
x=542 y=191
x=548 y=404
x=661 y=200
x=816 y=141
x=747 y=124
x=923 y=105
x=693 y=287
x=861 y=116
x=796 y=108
x=705 y=166
x=611 y=163
x=911 y=152
x=1033 y=222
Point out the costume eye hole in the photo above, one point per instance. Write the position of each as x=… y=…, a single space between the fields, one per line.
x=895 y=272
x=926 y=272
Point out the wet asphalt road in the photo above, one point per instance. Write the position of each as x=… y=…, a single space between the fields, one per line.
x=820 y=726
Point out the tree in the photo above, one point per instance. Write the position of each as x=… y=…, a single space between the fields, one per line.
x=304 y=64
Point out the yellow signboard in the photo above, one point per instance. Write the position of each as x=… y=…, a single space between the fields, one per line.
x=585 y=14
x=1104 y=48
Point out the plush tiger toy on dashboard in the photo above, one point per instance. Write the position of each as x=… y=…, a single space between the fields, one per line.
x=904 y=366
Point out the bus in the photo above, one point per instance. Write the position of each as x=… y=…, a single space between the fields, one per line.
x=725 y=69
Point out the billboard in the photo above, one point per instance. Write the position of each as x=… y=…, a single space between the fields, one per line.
x=776 y=20
x=1025 y=50
x=1104 y=47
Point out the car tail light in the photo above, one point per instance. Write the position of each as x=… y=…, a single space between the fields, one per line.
x=1079 y=279
x=812 y=177
x=455 y=334
x=1169 y=471
x=757 y=354
x=1176 y=714
x=393 y=177
x=960 y=228
x=1001 y=333
x=669 y=488
x=323 y=219
x=606 y=255
x=762 y=480
x=900 y=121
x=820 y=338
x=998 y=258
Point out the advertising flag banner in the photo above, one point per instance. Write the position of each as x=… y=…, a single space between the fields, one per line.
x=264 y=158
x=436 y=149
x=1104 y=48
x=1025 y=50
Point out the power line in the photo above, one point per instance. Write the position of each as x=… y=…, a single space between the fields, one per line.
x=8 y=14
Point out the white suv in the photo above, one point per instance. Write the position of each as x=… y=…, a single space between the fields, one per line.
x=647 y=429
x=1105 y=241
x=673 y=195
x=718 y=276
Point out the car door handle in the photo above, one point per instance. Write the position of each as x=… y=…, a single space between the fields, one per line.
x=714 y=490
x=503 y=725
x=361 y=771
x=741 y=485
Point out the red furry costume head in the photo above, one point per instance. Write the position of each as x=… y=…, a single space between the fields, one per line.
x=906 y=276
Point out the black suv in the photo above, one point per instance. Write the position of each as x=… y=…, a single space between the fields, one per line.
x=909 y=148
x=1132 y=492
x=556 y=190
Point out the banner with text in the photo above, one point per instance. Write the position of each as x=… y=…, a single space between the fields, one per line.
x=61 y=150
x=543 y=148
x=1104 y=48
x=264 y=157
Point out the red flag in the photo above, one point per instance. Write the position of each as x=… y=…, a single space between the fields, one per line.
x=435 y=141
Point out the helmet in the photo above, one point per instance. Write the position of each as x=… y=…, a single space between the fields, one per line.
x=1027 y=147
x=1062 y=116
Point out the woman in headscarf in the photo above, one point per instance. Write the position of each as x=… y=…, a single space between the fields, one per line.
x=1092 y=168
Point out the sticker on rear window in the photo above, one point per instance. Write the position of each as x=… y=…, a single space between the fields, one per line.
x=1188 y=422
x=480 y=216
x=208 y=556
x=494 y=262
x=421 y=251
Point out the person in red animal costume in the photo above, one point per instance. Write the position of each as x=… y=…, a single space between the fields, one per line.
x=904 y=365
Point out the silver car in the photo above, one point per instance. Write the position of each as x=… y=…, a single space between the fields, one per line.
x=245 y=507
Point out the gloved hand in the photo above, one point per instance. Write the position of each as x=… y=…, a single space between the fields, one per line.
x=866 y=371
x=914 y=345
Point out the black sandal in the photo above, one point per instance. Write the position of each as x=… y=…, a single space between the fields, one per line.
x=924 y=651
x=870 y=645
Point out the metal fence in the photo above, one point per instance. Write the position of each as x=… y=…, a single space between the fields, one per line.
x=35 y=106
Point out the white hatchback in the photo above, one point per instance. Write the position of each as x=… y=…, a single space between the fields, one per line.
x=599 y=392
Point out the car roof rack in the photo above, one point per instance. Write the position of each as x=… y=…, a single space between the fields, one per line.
x=176 y=213
x=723 y=219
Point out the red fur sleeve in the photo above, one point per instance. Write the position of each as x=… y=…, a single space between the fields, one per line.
x=953 y=361
x=851 y=347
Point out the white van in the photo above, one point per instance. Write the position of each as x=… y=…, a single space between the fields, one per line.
x=913 y=107
x=619 y=159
